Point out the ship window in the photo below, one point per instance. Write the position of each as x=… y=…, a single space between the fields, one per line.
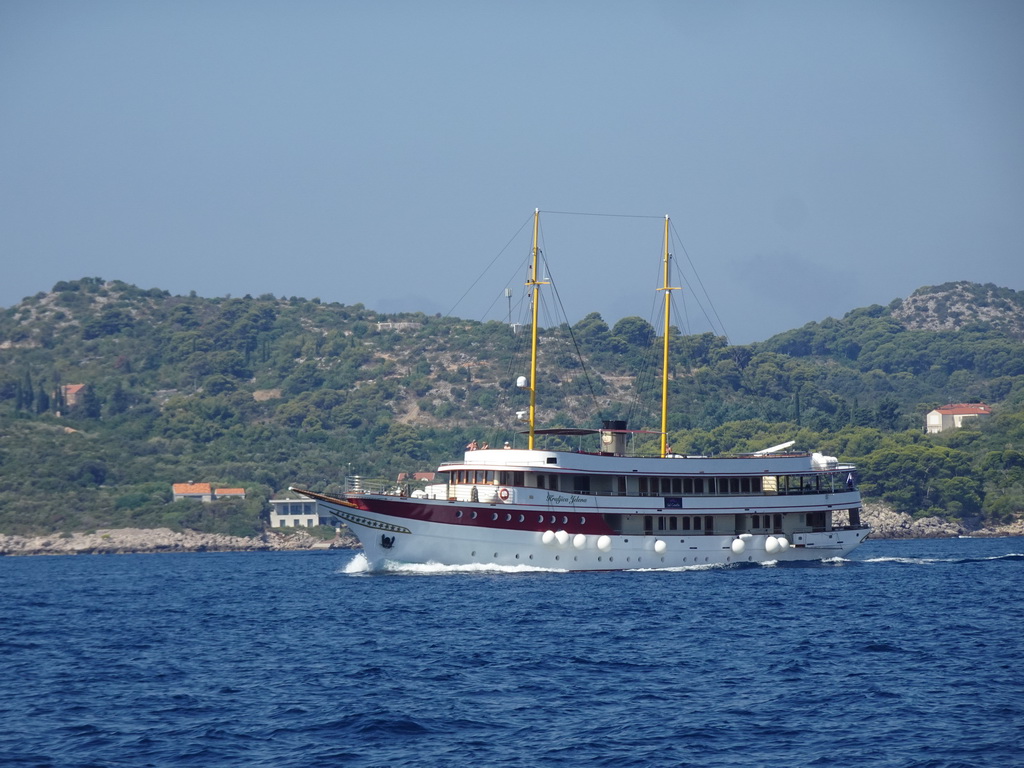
x=661 y=523
x=642 y=485
x=622 y=486
x=673 y=523
x=696 y=523
x=709 y=524
x=666 y=486
x=686 y=523
x=734 y=485
x=540 y=481
x=778 y=522
x=755 y=484
x=744 y=485
x=755 y=521
x=519 y=478
x=490 y=476
x=677 y=485
x=581 y=483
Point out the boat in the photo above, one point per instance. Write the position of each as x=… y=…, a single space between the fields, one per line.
x=608 y=508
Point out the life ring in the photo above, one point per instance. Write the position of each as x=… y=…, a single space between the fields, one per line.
x=503 y=494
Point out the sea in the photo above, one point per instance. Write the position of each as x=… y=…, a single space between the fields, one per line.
x=907 y=654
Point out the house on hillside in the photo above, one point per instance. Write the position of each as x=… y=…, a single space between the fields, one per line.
x=952 y=416
x=205 y=492
x=197 y=491
x=299 y=513
x=73 y=394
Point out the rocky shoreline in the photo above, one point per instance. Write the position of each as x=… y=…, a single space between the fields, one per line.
x=116 y=541
x=885 y=524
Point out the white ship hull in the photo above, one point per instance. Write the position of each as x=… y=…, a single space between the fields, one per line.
x=588 y=533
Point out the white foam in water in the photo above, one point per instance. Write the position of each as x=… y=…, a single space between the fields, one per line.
x=437 y=568
x=359 y=564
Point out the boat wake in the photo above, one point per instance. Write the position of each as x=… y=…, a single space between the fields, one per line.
x=1011 y=557
x=359 y=566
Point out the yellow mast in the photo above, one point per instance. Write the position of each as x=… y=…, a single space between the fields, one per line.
x=535 y=284
x=664 y=354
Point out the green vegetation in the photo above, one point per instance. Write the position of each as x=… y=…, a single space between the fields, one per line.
x=267 y=392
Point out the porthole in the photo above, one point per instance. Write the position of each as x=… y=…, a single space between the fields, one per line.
x=522 y=518
x=558 y=557
x=495 y=555
x=473 y=514
x=508 y=517
x=565 y=521
x=531 y=557
x=494 y=516
x=599 y=558
x=473 y=553
x=458 y=513
x=540 y=518
x=554 y=519
x=583 y=521
x=517 y=555
x=611 y=559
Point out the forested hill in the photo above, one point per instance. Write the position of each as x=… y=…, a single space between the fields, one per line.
x=265 y=392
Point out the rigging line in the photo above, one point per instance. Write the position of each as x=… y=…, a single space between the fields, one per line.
x=700 y=282
x=639 y=405
x=572 y=336
x=605 y=215
x=496 y=257
x=696 y=297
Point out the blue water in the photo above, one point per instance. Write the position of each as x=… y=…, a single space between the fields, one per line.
x=907 y=654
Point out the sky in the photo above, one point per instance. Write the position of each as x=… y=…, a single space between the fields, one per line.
x=813 y=157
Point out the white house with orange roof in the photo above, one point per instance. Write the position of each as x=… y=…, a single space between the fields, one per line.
x=952 y=416
x=205 y=492
x=197 y=491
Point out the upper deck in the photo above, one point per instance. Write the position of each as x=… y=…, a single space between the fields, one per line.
x=605 y=464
